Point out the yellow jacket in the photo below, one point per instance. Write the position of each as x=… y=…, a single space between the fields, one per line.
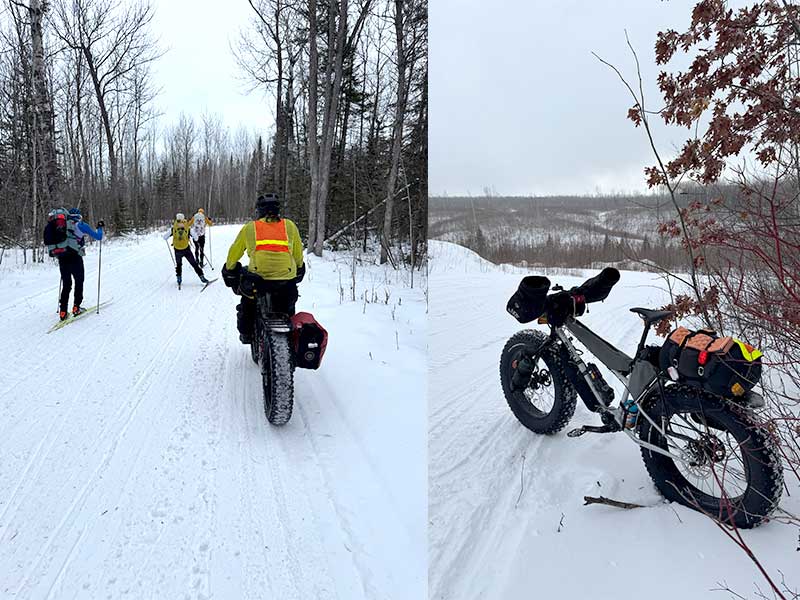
x=277 y=258
x=180 y=235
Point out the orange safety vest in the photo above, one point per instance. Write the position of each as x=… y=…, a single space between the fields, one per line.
x=271 y=237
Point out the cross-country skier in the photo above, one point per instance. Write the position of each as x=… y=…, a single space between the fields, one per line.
x=180 y=242
x=70 y=261
x=275 y=253
x=198 y=233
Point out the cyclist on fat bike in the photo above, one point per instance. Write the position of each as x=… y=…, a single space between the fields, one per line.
x=275 y=253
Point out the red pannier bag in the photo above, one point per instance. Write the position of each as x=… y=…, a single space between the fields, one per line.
x=309 y=340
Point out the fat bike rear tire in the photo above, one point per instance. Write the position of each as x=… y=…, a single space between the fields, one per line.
x=277 y=375
x=537 y=415
x=255 y=340
x=255 y=345
x=731 y=469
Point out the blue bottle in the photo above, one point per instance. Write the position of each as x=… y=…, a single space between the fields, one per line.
x=631 y=414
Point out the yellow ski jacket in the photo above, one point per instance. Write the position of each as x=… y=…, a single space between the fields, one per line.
x=273 y=246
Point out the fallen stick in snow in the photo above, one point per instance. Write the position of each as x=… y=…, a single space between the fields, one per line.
x=587 y=500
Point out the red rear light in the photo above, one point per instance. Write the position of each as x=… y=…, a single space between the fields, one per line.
x=702 y=358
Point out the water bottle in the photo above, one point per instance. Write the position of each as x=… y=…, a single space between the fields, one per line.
x=631 y=414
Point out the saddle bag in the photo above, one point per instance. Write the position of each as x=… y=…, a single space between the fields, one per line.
x=528 y=302
x=309 y=340
x=723 y=366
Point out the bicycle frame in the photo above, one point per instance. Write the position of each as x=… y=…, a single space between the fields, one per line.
x=622 y=366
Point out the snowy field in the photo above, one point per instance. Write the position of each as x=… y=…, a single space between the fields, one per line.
x=506 y=514
x=136 y=461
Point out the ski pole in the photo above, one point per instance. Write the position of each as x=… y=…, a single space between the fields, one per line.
x=58 y=309
x=197 y=254
x=208 y=258
x=172 y=258
x=99 y=268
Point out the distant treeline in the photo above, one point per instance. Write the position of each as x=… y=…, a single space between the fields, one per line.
x=572 y=203
x=562 y=231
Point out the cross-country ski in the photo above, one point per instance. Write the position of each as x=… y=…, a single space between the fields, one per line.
x=208 y=283
x=84 y=312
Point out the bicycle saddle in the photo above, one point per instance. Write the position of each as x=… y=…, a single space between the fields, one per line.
x=651 y=316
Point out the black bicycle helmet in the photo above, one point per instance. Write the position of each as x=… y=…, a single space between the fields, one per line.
x=268 y=205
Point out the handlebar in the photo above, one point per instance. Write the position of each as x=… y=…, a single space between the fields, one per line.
x=531 y=299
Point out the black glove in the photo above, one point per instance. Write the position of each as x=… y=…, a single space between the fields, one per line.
x=231 y=278
x=301 y=272
x=100 y=224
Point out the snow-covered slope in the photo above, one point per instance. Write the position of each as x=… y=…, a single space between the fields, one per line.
x=506 y=506
x=135 y=458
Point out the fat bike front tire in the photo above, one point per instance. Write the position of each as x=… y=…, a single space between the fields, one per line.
x=730 y=469
x=546 y=409
x=277 y=375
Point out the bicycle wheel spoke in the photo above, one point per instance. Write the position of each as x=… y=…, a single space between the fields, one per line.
x=712 y=460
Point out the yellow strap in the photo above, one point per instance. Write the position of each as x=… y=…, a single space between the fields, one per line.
x=272 y=243
x=751 y=354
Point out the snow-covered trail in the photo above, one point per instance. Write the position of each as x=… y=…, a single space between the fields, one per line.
x=506 y=506
x=135 y=458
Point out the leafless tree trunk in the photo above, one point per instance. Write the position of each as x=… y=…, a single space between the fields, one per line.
x=397 y=142
x=44 y=141
x=312 y=142
x=337 y=34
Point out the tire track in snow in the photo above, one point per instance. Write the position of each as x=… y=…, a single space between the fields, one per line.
x=145 y=381
x=39 y=458
x=356 y=524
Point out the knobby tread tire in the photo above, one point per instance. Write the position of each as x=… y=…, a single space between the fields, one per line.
x=759 y=448
x=254 y=351
x=277 y=373
x=563 y=391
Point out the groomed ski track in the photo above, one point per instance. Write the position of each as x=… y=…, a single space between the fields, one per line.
x=136 y=461
x=506 y=514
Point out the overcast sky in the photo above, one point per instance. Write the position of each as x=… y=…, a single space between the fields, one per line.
x=198 y=72
x=519 y=103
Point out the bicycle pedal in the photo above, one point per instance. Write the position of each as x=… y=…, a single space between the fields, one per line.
x=610 y=428
x=576 y=432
